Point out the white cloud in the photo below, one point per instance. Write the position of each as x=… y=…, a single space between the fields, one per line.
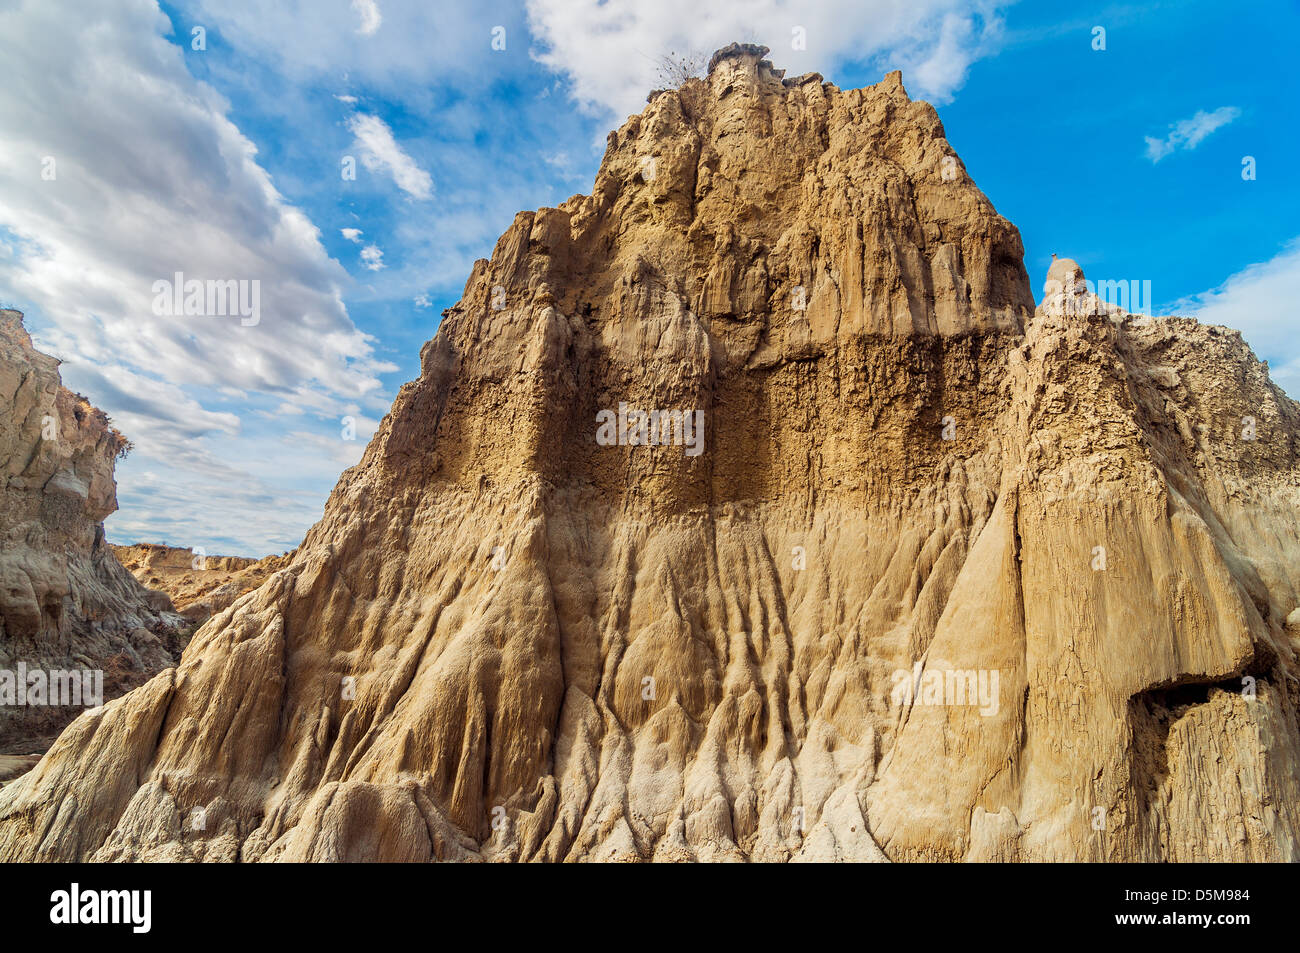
x=1188 y=133
x=368 y=10
x=332 y=446
x=145 y=152
x=422 y=301
x=142 y=405
x=381 y=153
x=1260 y=301
x=564 y=166
x=610 y=50
x=230 y=498
x=150 y=178
x=372 y=256
x=314 y=39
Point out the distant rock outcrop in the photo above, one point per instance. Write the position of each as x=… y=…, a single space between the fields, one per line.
x=198 y=585
x=748 y=508
x=66 y=604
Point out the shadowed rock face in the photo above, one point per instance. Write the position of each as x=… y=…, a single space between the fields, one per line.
x=950 y=578
x=65 y=602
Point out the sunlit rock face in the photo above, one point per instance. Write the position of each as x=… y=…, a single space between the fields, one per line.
x=66 y=605
x=950 y=577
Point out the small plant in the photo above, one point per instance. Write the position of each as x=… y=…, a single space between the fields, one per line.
x=673 y=70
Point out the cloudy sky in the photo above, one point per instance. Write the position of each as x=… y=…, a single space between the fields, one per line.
x=355 y=156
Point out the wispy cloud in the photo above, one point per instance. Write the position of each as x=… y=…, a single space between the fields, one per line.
x=371 y=18
x=303 y=40
x=142 y=152
x=139 y=150
x=1187 y=134
x=380 y=153
x=1260 y=301
x=610 y=51
x=372 y=256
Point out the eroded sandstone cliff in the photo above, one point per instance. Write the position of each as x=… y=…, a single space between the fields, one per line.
x=952 y=577
x=66 y=604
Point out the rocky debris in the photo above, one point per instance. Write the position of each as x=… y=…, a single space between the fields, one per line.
x=65 y=602
x=198 y=585
x=953 y=577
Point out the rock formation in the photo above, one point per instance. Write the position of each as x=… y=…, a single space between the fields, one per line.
x=66 y=604
x=949 y=578
x=197 y=584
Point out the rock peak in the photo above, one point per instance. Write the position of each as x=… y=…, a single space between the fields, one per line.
x=754 y=51
x=1063 y=273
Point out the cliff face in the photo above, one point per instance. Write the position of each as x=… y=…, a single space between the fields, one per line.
x=939 y=576
x=65 y=602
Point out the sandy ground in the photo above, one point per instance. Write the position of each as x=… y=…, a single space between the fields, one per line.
x=15 y=765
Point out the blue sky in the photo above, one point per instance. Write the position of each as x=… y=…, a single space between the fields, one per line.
x=226 y=162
